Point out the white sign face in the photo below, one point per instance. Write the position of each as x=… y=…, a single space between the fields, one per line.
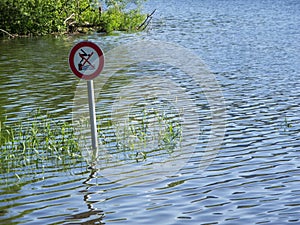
x=86 y=60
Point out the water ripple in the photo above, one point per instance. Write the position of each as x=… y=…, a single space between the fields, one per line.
x=252 y=48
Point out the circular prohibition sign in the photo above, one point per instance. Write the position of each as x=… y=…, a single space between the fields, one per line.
x=86 y=60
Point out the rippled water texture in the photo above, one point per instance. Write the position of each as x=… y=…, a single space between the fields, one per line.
x=252 y=48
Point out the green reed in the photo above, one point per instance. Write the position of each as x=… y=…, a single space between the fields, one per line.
x=147 y=133
x=37 y=141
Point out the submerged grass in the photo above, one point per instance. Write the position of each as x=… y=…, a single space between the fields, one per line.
x=40 y=143
x=149 y=132
x=36 y=142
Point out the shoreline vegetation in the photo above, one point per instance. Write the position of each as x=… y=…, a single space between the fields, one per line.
x=41 y=17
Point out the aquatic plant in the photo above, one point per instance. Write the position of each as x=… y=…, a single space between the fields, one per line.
x=286 y=125
x=146 y=133
x=37 y=141
x=40 y=141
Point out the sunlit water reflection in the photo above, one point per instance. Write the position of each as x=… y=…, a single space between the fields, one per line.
x=251 y=46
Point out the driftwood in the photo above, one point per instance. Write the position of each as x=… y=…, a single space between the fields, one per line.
x=69 y=18
x=146 y=22
x=10 y=35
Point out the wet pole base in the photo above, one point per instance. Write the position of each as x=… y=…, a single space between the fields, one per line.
x=93 y=121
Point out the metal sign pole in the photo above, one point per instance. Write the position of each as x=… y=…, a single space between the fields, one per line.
x=86 y=61
x=93 y=123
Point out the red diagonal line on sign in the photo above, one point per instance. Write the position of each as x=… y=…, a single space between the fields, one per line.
x=86 y=60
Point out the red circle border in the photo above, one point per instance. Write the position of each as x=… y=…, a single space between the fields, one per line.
x=72 y=55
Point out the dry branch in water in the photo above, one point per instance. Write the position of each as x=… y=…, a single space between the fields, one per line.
x=10 y=35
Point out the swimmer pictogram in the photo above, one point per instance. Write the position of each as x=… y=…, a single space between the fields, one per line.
x=85 y=60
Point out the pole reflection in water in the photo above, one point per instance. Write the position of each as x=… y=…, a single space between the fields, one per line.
x=93 y=215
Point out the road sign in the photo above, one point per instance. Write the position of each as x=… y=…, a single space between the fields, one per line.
x=86 y=60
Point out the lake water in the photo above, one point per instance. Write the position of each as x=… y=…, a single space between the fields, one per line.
x=252 y=50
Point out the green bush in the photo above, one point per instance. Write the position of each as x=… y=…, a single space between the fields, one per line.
x=115 y=19
x=33 y=16
x=39 y=17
